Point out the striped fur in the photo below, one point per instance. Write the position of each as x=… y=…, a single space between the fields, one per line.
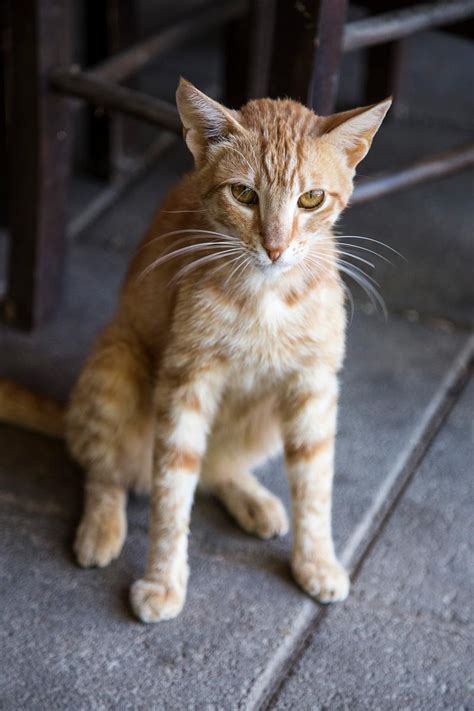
x=217 y=357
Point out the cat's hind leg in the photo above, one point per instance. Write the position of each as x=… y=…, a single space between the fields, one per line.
x=109 y=434
x=103 y=527
x=238 y=445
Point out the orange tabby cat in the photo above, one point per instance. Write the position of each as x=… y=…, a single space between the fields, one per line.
x=226 y=346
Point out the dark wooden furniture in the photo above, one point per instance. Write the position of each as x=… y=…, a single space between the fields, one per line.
x=39 y=78
x=274 y=47
x=38 y=140
x=305 y=56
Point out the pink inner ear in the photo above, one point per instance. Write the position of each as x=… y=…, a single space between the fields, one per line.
x=353 y=131
x=202 y=114
x=328 y=123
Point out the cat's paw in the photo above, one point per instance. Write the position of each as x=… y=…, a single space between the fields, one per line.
x=154 y=601
x=263 y=516
x=99 y=540
x=325 y=580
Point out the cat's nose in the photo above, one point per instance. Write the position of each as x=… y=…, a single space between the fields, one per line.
x=274 y=254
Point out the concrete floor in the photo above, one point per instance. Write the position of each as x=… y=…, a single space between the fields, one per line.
x=248 y=638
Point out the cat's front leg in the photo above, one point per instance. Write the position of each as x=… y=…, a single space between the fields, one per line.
x=309 y=412
x=187 y=398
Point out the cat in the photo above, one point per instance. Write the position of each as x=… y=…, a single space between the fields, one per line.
x=225 y=348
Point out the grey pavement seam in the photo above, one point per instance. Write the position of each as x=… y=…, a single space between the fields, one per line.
x=268 y=684
x=409 y=460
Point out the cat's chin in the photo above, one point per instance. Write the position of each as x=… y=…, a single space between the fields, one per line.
x=275 y=269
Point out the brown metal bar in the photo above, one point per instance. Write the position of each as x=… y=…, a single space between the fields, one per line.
x=327 y=56
x=95 y=156
x=107 y=95
x=262 y=20
x=247 y=51
x=38 y=140
x=237 y=62
x=5 y=42
x=99 y=85
x=383 y=62
x=383 y=72
x=462 y=29
x=436 y=166
x=123 y=31
x=402 y=23
x=126 y=63
x=110 y=26
x=306 y=51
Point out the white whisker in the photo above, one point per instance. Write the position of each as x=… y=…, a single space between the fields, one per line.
x=351 y=300
x=369 y=239
x=226 y=264
x=190 y=232
x=247 y=263
x=319 y=265
x=196 y=263
x=236 y=269
x=363 y=279
x=354 y=246
x=216 y=243
x=358 y=269
x=176 y=253
x=174 y=212
x=354 y=256
x=365 y=249
x=369 y=289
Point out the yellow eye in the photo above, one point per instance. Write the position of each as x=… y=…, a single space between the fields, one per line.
x=244 y=194
x=311 y=199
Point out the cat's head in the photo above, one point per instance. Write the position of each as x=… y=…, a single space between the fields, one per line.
x=274 y=175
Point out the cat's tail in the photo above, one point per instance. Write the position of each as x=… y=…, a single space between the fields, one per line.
x=24 y=408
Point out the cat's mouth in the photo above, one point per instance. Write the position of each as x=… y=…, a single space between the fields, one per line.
x=274 y=264
x=273 y=268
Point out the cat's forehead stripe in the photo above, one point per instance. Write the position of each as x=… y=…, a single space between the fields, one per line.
x=281 y=130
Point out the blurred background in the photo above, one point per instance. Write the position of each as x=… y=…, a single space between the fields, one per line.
x=89 y=143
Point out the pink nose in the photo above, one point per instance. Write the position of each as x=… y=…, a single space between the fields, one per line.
x=274 y=254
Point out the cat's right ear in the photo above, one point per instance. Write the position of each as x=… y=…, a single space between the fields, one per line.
x=205 y=121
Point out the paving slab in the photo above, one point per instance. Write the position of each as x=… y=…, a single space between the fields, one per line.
x=374 y=659
x=68 y=640
x=405 y=639
x=424 y=562
x=70 y=632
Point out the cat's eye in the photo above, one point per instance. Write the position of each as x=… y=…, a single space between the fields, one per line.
x=244 y=194
x=311 y=199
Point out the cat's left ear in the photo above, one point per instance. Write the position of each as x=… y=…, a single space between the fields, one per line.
x=353 y=131
x=205 y=121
